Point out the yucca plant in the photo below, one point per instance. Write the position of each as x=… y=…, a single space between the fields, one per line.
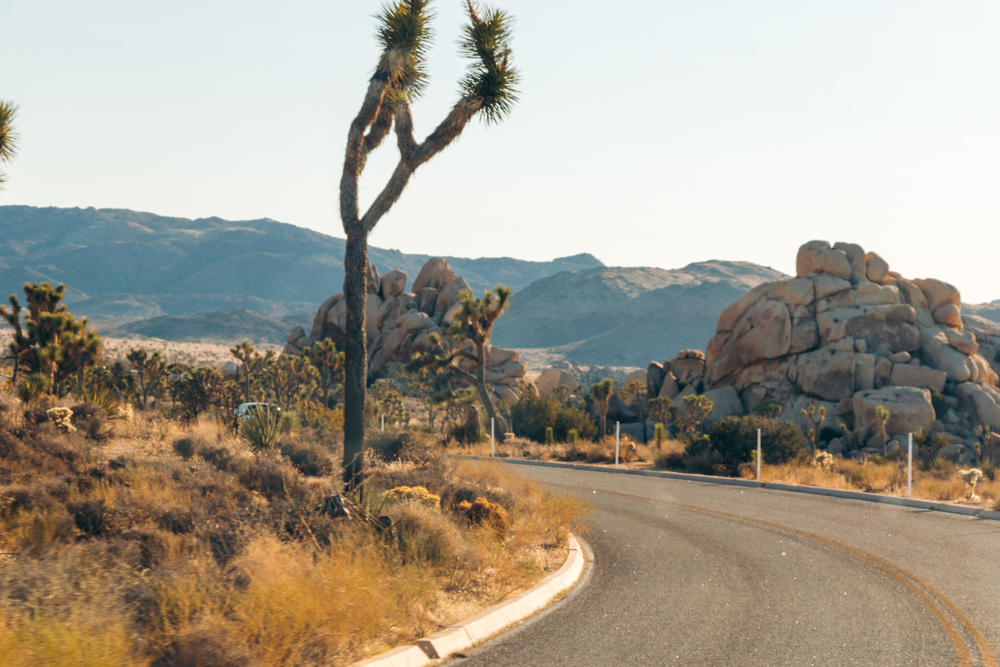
x=488 y=88
x=261 y=429
x=31 y=387
x=102 y=398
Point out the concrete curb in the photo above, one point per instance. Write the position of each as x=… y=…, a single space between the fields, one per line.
x=949 y=508
x=473 y=630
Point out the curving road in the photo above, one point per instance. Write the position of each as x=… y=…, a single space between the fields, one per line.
x=687 y=573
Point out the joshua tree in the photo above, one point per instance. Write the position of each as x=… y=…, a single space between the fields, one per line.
x=150 y=371
x=473 y=323
x=635 y=391
x=601 y=393
x=291 y=379
x=329 y=363
x=659 y=410
x=8 y=137
x=487 y=88
x=882 y=415
x=52 y=341
x=815 y=415
x=248 y=356
x=696 y=408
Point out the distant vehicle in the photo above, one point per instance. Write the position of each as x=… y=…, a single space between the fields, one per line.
x=246 y=409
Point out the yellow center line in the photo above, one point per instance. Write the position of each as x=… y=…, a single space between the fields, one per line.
x=907 y=578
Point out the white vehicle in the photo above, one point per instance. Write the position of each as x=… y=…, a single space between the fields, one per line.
x=246 y=409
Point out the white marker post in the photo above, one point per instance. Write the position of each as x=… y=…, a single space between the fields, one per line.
x=909 y=467
x=618 y=432
x=493 y=448
x=758 y=455
x=383 y=422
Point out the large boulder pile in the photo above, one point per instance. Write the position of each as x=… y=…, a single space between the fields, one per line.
x=849 y=334
x=400 y=323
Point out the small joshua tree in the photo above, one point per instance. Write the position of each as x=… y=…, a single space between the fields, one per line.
x=696 y=408
x=882 y=414
x=150 y=372
x=330 y=365
x=601 y=393
x=816 y=416
x=488 y=89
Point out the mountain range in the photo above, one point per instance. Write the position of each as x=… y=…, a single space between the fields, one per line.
x=120 y=266
x=214 y=280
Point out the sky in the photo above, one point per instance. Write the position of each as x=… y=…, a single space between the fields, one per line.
x=648 y=133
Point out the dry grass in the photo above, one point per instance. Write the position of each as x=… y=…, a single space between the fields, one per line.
x=887 y=477
x=170 y=545
x=583 y=451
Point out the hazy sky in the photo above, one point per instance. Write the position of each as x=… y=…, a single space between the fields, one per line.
x=649 y=132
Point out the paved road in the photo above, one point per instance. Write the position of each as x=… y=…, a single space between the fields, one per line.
x=687 y=573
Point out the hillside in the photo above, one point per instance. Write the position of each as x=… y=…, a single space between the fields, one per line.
x=225 y=326
x=626 y=316
x=123 y=265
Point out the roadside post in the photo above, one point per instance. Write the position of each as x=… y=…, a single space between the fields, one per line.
x=383 y=422
x=493 y=448
x=909 y=467
x=618 y=433
x=758 y=455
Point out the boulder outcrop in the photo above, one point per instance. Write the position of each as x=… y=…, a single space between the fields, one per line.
x=400 y=323
x=848 y=333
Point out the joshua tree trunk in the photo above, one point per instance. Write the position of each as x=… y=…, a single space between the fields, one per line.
x=356 y=355
x=484 y=392
x=604 y=420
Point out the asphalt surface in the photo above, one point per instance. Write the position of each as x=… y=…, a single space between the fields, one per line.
x=687 y=573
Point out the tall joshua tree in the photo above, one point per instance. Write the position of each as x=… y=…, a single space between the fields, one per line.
x=8 y=137
x=488 y=88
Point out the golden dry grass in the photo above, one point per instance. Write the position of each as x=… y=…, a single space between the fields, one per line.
x=179 y=544
x=881 y=477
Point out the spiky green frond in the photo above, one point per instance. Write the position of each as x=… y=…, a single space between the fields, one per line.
x=490 y=78
x=8 y=137
x=405 y=34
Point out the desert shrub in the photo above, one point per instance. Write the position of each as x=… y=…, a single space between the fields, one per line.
x=321 y=418
x=482 y=512
x=734 y=439
x=92 y=420
x=176 y=520
x=290 y=422
x=220 y=456
x=572 y=436
x=188 y=446
x=93 y=517
x=402 y=445
x=206 y=644
x=550 y=436
x=261 y=429
x=469 y=430
x=425 y=535
x=309 y=458
x=876 y=477
x=269 y=476
x=416 y=494
x=532 y=415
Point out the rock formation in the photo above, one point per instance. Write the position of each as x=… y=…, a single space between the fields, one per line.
x=400 y=323
x=848 y=333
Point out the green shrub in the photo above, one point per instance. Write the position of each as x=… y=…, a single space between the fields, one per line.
x=572 y=436
x=550 y=436
x=425 y=534
x=532 y=415
x=734 y=439
x=991 y=470
x=32 y=387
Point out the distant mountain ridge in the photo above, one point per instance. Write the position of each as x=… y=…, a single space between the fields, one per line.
x=122 y=265
x=624 y=316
